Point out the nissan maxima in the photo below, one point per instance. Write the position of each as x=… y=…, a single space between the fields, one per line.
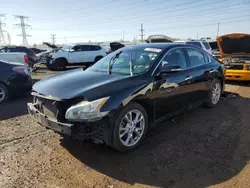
x=123 y=95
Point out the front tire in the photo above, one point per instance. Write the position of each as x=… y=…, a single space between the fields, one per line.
x=4 y=94
x=214 y=94
x=60 y=64
x=130 y=127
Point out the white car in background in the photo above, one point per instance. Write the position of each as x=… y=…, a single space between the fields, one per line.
x=200 y=43
x=75 y=54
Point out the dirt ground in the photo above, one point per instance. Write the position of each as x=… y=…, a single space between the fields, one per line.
x=201 y=148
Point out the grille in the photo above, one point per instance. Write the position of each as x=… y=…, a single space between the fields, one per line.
x=48 y=107
x=235 y=67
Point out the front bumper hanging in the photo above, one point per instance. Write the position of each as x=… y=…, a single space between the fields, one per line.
x=64 y=128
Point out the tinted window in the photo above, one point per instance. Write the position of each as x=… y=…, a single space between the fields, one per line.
x=77 y=48
x=195 y=44
x=176 y=58
x=206 y=45
x=207 y=58
x=196 y=57
x=95 y=48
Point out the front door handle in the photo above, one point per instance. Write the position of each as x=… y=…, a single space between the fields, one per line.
x=188 y=78
x=212 y=70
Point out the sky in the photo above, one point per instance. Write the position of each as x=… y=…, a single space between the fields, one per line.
x=112 y=20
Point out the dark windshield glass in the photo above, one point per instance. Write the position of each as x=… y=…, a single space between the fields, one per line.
x=195 y=44
x=120 y=61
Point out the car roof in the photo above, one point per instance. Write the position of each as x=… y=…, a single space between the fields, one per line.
x=162 y=45
x=84 y=44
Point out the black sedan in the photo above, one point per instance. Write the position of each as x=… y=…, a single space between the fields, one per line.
x=117 y=99
x=14 y=79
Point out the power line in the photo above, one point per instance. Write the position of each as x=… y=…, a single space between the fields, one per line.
x=23 y=26
x=9 y=39
x=182 y=15
x=2 y=38
x=141 y=32
x=53 y=37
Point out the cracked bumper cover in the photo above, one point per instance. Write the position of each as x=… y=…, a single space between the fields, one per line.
x=64 y=128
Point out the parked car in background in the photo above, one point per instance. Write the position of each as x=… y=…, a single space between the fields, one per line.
x=115 y=46
x=200 y=43
x=31 y=54
x=215 y=49
x=117 y=99
x=14 y=79
x=235 y=54
x=75 y=54
x=15 y=57
x=37 y=51
x=158 y=38
x=45 y=56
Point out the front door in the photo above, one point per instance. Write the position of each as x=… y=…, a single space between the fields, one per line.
x=171 y=90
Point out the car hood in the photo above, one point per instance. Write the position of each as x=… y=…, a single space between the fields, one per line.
x=50 y=45
x=234 y=44
x=88 y=84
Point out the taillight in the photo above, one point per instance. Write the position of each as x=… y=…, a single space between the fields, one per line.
x=21 y=69
x=26 y=59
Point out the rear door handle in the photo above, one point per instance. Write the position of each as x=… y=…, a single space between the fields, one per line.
x=188 y=78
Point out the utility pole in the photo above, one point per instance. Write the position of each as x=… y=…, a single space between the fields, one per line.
x=218 y=29
x=53 y=37
x=8 y=36
x=197 y=35
x=141 y=32
x=65 y=40
x=123 y=35
x=2 y=38
x=23 y=26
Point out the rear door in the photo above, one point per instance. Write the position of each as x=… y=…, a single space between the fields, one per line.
x=201 y=69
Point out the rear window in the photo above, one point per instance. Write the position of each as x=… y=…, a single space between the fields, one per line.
x=195 y=44
x=95 y=48
x=206 y=45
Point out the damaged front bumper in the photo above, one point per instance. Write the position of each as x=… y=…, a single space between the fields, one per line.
x=64 y=128
x=98 y=131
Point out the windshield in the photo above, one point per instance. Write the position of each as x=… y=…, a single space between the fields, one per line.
x=207 y=46
x=66 y=48
x=126 y=61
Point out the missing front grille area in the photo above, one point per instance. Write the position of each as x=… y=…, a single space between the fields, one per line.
x=235 y=67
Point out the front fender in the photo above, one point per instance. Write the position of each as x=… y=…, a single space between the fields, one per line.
x=122 y=98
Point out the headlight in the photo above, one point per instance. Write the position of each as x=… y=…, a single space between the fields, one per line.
x=88 y=111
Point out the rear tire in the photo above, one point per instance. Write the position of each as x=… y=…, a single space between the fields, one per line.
x=4 y=94
x=214 y=94
x=134 y=132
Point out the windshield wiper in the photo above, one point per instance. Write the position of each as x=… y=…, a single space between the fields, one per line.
x=112 y=59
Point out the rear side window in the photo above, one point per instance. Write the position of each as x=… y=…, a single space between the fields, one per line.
x=195 y=44
x=196 y=57
x=95 y=48
x=207 y=46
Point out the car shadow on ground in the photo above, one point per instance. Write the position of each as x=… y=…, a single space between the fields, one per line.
x=200 y=148
x=15 y=107
x=239 y=83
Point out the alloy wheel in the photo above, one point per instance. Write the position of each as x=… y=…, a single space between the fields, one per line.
x=216 y=93
x=2 y=94
x=132 y=128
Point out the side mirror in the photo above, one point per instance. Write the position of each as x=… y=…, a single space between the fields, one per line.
x=71 y=50
x=169 y=69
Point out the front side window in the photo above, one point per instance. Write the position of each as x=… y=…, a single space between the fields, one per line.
x=126 y=60
x=196 y=57
x=77 y=48
x=175 y=58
